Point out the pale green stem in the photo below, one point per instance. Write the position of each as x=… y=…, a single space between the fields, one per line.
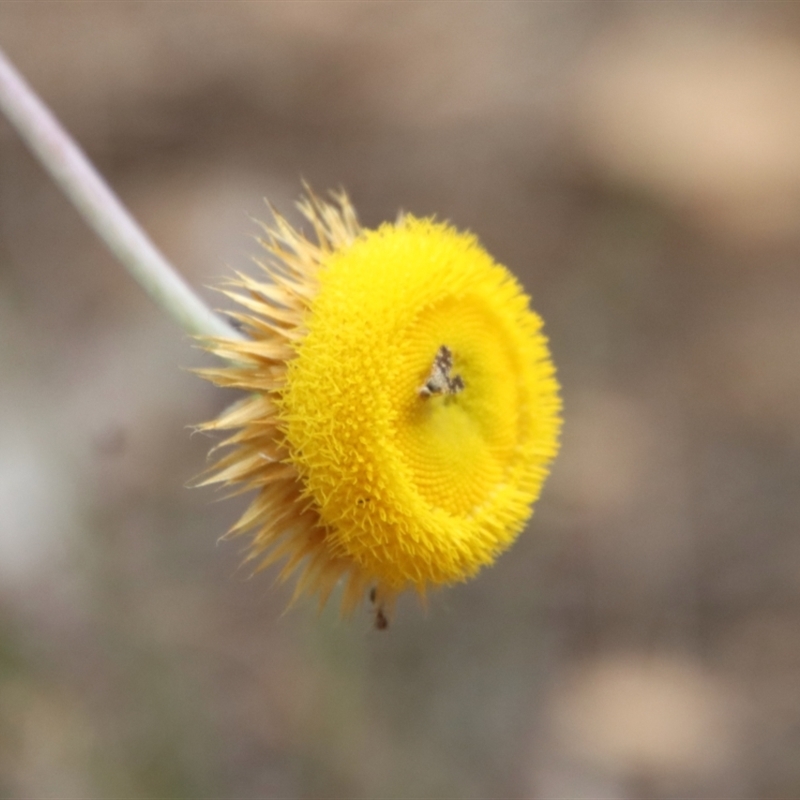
x=100 y=207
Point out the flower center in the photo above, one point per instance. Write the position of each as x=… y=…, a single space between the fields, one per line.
x=457 y=433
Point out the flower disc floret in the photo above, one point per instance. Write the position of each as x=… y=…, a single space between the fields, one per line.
x=418 y=489
x=402 y=408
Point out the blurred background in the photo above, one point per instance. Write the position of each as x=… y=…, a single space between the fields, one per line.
x=638 y=166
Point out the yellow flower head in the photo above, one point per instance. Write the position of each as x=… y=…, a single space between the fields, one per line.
x=403 y=407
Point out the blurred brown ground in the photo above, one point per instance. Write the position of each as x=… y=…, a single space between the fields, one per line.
x=638 y=166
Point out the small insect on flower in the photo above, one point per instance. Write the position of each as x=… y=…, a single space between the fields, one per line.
x=439 y=381
x=402 y=408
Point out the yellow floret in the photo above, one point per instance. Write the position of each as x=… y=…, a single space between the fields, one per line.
x=419 y=490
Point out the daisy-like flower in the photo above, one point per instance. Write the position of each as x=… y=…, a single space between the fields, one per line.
x=402 y=406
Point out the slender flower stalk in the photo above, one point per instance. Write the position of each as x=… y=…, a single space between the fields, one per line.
x=99 y=206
